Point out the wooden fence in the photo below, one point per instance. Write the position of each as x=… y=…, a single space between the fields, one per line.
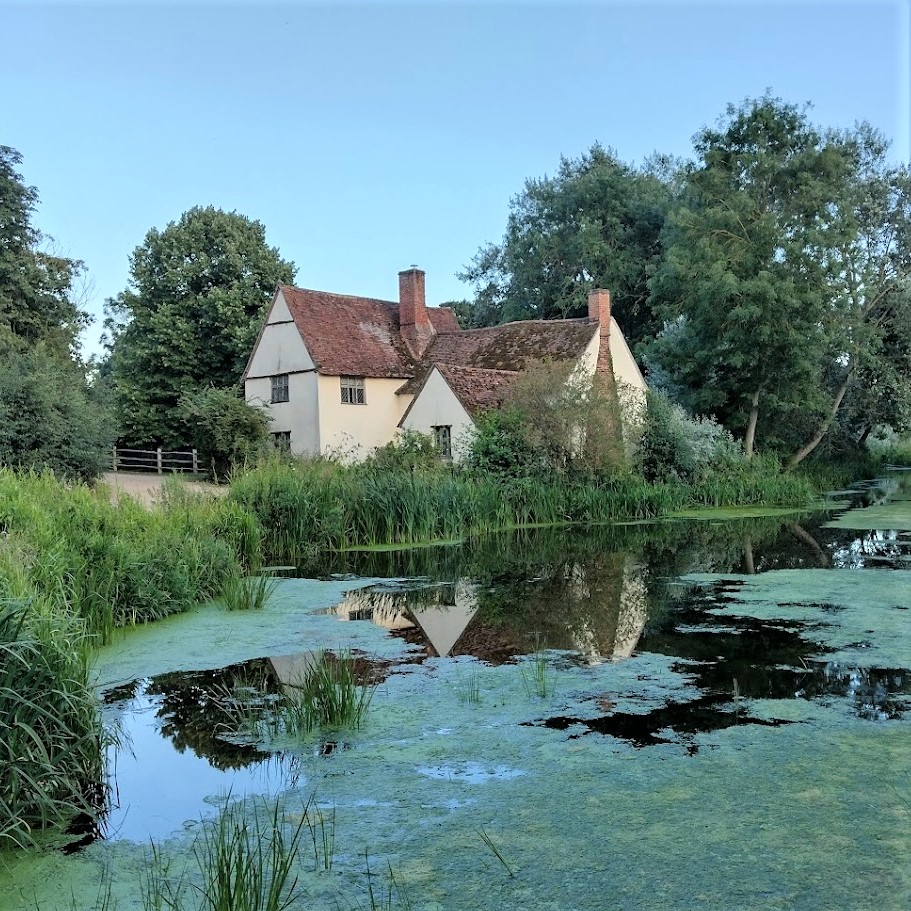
x=159 y=461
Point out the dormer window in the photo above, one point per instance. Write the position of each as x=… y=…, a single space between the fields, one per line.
x=280 y=388
x=353 y=390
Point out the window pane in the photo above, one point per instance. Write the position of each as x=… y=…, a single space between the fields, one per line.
x=280 y=388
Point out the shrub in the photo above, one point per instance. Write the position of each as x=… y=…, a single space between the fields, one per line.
x=50 y=417
x=409 y=451
x=223 y=428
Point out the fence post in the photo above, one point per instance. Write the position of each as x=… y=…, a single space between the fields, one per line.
x=158 y=458
x=114 y=458
x=195 y=463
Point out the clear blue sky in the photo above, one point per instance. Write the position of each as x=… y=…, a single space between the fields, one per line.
x=370 y=136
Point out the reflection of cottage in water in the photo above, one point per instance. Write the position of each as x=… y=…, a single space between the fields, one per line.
x=598 y=608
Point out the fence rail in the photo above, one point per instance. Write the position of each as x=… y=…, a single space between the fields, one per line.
x=160 y=461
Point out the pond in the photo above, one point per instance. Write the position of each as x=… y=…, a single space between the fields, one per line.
x=709 y=712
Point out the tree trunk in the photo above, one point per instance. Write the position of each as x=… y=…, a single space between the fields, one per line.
x=750 y=437
x=823 y=428
x=863 y=437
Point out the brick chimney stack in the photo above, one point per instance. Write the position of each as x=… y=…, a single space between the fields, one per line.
x=414 y=322
x=599 y=309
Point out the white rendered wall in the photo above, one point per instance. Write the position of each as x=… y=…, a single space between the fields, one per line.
x=299 y=416
x=436 y=405
x=281 y=348
x=354 y=431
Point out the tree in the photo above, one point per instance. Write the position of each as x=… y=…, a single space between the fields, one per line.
x=754 y=280
x=595 y=224
x=35 y=286
x=868 y=262
x=50 y=417
x=197 y=296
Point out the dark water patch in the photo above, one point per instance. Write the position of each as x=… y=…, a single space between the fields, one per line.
x=676 y=722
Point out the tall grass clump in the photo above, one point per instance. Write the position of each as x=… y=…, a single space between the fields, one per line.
x=244 y=861
x=51 y=738
x=117 y=563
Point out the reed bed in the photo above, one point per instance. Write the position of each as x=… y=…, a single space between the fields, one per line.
x=51 y=739
x=311 y=506
x=114 y=564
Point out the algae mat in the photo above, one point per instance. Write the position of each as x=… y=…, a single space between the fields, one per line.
x=812 y=815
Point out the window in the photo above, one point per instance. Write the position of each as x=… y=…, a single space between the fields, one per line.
x=443 y=436
x=280 y=388
x=353 y=390
x=282 y=440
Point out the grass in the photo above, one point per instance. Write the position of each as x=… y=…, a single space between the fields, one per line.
x=307 y=506
x=468 y=690
x=248 y=593
x=327 y=697
x=245 y=861
x=51 y=739
x=496 y=852
x=115 y=564
x=395 y=895
x=538 y=677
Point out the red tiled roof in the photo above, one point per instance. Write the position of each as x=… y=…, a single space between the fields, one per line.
x=356 y=336
x=477 y=388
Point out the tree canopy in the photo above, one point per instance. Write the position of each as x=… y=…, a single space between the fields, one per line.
x=595 y=224
x=50 y=416
x=782 y=273
x=189 y=319
x=36 y=286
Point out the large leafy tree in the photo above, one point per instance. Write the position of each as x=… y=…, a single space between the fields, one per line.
x=36 y=287
x=596 y=223
x=189 y=319
x=50 y=415
x=780 y=275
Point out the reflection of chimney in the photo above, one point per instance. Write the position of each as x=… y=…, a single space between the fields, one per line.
x=599 y=309
x=413 y=319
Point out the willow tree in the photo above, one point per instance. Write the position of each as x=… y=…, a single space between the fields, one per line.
x=780 y=272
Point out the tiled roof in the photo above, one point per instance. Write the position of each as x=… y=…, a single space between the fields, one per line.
x=507 y=347
x=476 y=388
x=356 y=336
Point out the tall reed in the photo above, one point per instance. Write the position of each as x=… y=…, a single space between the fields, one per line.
x=51 y=739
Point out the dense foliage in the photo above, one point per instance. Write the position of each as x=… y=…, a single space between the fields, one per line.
x=198 y=293
x=50 y=416
x=223 y=428
x=596 y=224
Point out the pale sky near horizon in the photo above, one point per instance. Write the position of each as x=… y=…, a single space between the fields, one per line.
x=369 y=136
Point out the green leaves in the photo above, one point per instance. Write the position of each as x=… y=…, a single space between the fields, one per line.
x=199 y=290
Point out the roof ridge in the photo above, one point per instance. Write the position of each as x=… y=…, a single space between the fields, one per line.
x=523 y=322
x=359 y=297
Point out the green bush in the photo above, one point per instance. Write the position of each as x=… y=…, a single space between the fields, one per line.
x=50 y=417
x=409 y=451
x=223 y=428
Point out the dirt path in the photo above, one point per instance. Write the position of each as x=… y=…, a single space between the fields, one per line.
x=147 y=488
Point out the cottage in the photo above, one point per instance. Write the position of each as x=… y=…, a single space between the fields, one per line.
x=343 y=374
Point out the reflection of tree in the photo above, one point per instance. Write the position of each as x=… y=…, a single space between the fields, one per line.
x=194 y=712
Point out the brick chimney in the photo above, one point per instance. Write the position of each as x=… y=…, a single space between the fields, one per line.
x=599 y=309
x=414 y=322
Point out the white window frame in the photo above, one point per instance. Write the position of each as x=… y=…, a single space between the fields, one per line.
x=353 y=390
